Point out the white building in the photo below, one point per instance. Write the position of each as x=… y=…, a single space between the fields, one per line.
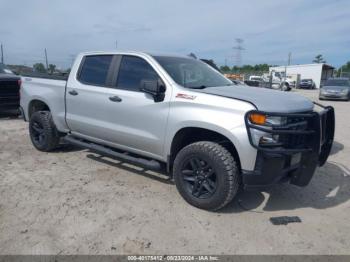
x=317 y=72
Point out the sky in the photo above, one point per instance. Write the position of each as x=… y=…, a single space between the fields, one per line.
x=208 y=28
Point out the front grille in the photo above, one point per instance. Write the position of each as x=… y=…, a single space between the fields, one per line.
x=299 y=133
x=295 y=141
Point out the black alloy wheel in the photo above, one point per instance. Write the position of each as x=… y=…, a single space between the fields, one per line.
x=37 y=133
x=43 y=132
x=206 y=175
x=199 y=178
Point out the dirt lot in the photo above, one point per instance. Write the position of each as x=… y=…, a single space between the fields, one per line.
x=75 y=202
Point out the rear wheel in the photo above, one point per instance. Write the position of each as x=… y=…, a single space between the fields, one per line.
x=206 y=175
x=43 y=132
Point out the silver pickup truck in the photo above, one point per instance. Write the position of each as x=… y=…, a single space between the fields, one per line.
x=179 y=115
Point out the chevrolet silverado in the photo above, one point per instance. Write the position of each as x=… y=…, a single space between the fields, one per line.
x=176 y=113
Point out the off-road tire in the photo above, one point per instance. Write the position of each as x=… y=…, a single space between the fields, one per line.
x=50 y=137
x=227 y=174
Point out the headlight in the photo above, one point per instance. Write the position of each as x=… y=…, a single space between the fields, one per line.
x=344 y=92
x=266 y=120
x=260 y=137
x=323 y=91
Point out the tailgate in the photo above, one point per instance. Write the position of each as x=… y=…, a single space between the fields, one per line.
x=9 y=92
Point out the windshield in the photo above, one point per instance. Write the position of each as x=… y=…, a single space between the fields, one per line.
x=336 y=82
x=192 y=73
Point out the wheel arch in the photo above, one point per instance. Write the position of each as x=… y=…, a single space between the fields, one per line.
x=190 y=134
x=37 y=105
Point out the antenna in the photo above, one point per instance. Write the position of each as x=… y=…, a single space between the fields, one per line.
x=239 y=48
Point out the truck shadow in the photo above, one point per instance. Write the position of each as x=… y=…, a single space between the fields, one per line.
x=337 y=147
x=329 y=187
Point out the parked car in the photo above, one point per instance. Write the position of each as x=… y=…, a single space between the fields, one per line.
x=256 y=78
x=307 y=84
x=9 y=89
x=252 y=83
x=211 y=135
x=238 y=82
x=278 y=81
x=336 y=88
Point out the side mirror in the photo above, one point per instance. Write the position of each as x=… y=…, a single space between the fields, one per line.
x=154 y=87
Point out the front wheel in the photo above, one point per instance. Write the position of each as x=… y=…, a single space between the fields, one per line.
x=43 y=132
x=206 y=175
x=285 y=87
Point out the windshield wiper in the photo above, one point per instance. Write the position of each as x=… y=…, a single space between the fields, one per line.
x=197 y=87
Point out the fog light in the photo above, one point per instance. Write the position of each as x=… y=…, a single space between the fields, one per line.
x=268 y=140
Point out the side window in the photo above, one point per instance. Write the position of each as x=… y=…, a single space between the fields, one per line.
x=94 y=70
x=132 y=71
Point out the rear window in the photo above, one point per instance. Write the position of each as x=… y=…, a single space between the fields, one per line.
x=94 y=70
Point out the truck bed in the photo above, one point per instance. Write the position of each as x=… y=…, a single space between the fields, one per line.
x=48 y=90
x=9 y=92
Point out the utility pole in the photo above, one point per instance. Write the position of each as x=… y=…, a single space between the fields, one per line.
x=116 y=44
x=289 y=58
x=47 y=63
x=2 y=54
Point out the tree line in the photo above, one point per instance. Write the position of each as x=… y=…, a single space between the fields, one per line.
x=40 y=68
x=258 y=68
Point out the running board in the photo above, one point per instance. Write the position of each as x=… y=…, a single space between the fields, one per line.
x=148 y=164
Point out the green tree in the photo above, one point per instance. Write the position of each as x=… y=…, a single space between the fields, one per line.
x=344 y=70
x=319 y=59
x=39 y=67
x=52 y=68
x=225 y=68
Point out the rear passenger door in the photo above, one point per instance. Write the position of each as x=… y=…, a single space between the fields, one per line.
x=88 y=108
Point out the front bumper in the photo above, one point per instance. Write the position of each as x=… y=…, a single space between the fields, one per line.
x=334 y=96
x=305 y=145
x=306 y=86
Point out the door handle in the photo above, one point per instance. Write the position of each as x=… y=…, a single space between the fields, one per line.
x=73 y=92
x=115 y=99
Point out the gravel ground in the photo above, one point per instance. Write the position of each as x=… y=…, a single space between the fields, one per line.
x=76 y=202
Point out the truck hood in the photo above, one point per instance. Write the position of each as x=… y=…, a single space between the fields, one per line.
x=264 y=99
